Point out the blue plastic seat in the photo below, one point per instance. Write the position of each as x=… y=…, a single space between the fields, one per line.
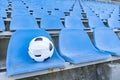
x=73 y=22
x=59 y=14
x=17 y=4
x=3 y=7
x=22 y=22
x=115 y=16
x=40 y=13
x=77 y=14
x=89 y=12
x=107 y=40
x=95 y=22
x=51 y=22
x=18 y=60
x=104 y=16
x=77 y=11
x=113 y=23
x=76 y=47
x=3 y=13
x=65 y=5
x=18 y=8
x=19 y=12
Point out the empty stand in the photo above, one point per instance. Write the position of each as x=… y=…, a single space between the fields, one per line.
x=31 y=18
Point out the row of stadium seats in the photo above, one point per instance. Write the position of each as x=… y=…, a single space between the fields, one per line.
x=76 y=11
x=21 y=22
x=74 y=47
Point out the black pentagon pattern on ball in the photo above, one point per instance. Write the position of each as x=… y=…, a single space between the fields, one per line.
x=50 y=46
x=46 y=59
x=39 y=39
x=37 y=55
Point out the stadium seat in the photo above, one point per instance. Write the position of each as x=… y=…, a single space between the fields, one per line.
x=115 y=16
x=3 y=7
x=77 y=10
x=113 y=23
x=18 y=60
x=59 y=14
x=40 y=13
x=104 y=16
x=77 y=14
x=51 y=22
x=18 y=8
x=19 y=12
x=95 y=22
x=76 y=47
x=73 y=22
x=65 y=5
x=3 y=13
x=89 y=12
x=106 y=40
x=22 y=22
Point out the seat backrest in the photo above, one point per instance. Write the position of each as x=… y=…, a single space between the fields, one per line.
x=59 y=14
x=76 y=47
x=72 y=40
x=104 y=15
x=95 y=22
x=113 y=23
x=73 y=22
x=51 y=22
x=23 y=22
x=105 y=39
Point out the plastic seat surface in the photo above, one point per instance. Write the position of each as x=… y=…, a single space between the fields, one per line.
x=51 y=22
x=19 y=12
x=104 y=15
x=107 y=40
x=40 y=13
x=3 y=13
x=77 y=14
x=77 y=10
x=89 y=12
x=23 y=22
x=18 y=60
x=95 y=22
x=73 y=22
x=114 y=16
x=113 y=23
x=59 y=14
x=76 y=47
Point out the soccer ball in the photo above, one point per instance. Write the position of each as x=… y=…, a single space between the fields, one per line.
x=40 y=49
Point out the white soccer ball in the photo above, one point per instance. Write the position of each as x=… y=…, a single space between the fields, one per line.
x=40 y=48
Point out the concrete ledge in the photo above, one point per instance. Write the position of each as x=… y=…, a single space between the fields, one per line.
x=109 y=71
x=54 y=70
